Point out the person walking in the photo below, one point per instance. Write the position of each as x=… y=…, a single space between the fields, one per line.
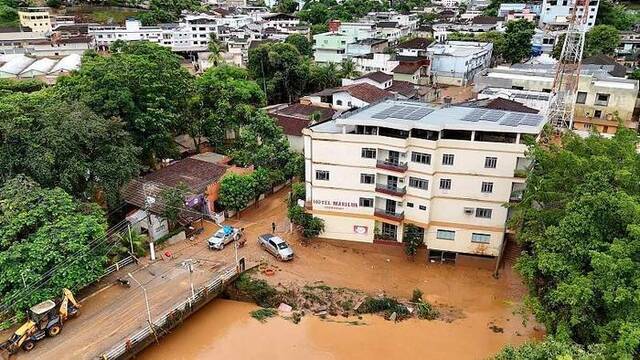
x=273 y=227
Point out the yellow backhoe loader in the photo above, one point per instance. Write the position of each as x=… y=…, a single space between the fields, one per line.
x=44 y=319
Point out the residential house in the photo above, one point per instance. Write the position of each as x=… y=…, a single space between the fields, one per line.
x=367 y=46
x=415 y=72
x=414 y=47
x=375 y=62
x=555 y=13
x=600 y=97
x=37 y=19
x=403 y=90
x=457 y=62
x=330 y=47
x=295 y=117
x=348 y=97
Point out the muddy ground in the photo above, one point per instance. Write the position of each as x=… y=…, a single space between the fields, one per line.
x=486 y=308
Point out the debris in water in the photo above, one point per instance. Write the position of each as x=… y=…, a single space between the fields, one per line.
x=284 y=308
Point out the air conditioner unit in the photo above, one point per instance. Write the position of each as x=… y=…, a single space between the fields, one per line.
x=468 y=211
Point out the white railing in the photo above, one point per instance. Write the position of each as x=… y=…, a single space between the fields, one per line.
x=119 y=265
x=129 y=342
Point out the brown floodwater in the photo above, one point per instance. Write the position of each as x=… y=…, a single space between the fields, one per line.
x=225 y=330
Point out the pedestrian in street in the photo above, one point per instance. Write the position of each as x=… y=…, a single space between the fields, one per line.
x=273 y=227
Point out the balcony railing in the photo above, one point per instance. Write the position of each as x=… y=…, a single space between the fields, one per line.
x=389 y=215
x=516 y=196
x=392 y=165
x=391 y=189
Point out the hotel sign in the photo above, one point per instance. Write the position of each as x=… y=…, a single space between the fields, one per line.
x=335 y=204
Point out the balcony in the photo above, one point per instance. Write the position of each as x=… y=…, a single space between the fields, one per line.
x=517 y=192
x=389 y=215
x=391 y=190
x=400 y=167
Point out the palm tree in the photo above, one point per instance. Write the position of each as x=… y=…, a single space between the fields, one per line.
x=215 y=50
x=348 y=69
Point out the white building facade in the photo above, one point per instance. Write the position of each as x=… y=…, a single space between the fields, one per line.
x=457 y=62
x=556 y=12
x=446 y=170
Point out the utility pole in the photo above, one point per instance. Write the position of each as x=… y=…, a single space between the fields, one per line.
x=148 y=202
x=189 y=265
x=130 y=238
x=146 y=299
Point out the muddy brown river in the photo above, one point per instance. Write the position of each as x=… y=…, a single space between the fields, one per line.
x=224 y=330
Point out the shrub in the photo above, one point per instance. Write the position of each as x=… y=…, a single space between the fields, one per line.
x=263 y=314
x=424 y=310
x=416 y=296
x=386 y=305
x=259 y=291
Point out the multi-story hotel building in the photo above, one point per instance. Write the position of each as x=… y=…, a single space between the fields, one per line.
x=447 y=170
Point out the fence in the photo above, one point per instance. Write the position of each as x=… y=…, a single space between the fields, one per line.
x=138 y=340
x=118 y=265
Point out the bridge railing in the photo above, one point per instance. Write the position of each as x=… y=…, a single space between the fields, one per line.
x=167 y=318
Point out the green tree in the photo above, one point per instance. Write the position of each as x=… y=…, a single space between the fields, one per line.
x=551 y=349
x=492 y=9
x=557 y=47
x=166 y=11
x=601 y=40
x=224 y=99
x=173 y=200
x=301 y=43
x=322 y=77
x=236 y=191
x=348 y=69
x=263 y=180
x=579 y=223
x=141 y=83
x=412 y=239
x=49 y=239
x=517 y=40
x=498 y=41
x=261 y=143
x=287 y=6
x=635 y=75
x=215 y=50
x=65 y=144
x=282 y=68
x=616 y=15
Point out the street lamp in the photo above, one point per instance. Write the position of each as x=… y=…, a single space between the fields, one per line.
x=189 y=265
x=146 y=299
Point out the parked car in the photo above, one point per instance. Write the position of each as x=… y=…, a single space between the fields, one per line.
x=276 y=246
x=222 y=237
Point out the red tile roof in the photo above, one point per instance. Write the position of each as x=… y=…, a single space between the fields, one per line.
x=415 y=43
x=377 y=76
x=403 y=88
x=363 y=91
x=295 y=117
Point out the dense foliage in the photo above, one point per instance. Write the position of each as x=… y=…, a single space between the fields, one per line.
x=517 y=40
x=46 y=238
x=551 y=349
x=580 y=225
x=65 y=145
x=616 y=15
x=600 y=40
x=143 y=84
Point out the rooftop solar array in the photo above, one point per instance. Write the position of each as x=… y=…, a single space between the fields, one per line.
x=403 y=112
x=502 y=117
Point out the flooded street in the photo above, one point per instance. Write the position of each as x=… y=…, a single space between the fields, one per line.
x=224 y=330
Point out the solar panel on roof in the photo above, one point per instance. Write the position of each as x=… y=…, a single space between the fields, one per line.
x=492 y=115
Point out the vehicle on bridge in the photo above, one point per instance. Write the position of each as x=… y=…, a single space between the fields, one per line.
x=276 y=246
x=44 y=319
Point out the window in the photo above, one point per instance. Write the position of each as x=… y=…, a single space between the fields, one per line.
x=597 y=114
x=421 y=158
x=368 y=153
x=483 y=213
x=322 y=175
x=445 y=184
x=418 y=183
x=602 y=99
x=422 y=207
x=480 y=238
x=487 y=187
x=338 y=102
x=581 y=98
x=445 y=234
x=409 y=204
x=367 y=178
x=447 y=159
x=366 y=202
x=490 y=162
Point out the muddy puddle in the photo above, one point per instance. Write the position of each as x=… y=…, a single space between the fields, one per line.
x=224 y=330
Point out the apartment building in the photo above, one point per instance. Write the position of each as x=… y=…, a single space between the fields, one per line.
x=600 y=97
x=555 y=13
x=35 y=18
x=191 y=34
x=447 y=170
x=457 y=62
